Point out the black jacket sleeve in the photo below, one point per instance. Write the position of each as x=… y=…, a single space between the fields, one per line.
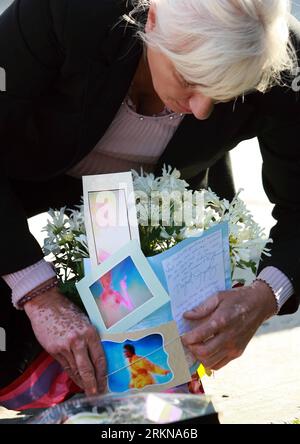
x=49 y=50
x=279 y=143
x=30 y=57
x=281 y=178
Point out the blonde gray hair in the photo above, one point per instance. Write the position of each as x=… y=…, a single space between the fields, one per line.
x=226 y=47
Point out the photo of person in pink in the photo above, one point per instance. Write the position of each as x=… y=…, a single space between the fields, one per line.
x=119 y=292
x=109 y=218
x=113 y=305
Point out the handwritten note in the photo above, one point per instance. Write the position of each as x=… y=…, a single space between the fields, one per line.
x=193 y=274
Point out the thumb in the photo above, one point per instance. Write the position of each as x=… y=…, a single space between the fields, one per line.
x=203 y=310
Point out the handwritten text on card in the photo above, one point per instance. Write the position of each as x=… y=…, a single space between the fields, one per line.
x=194 y=274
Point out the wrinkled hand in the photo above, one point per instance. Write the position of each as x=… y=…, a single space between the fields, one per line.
x=226 y=322
x=67 y=335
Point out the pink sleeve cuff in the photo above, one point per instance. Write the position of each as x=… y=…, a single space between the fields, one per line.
x=281 y=285
x=24 y=281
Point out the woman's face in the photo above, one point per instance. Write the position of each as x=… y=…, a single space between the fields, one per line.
x=173 y=90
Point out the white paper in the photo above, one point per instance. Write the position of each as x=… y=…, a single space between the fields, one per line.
x=193 y=275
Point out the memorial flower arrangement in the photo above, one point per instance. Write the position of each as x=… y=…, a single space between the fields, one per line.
x=160 y=203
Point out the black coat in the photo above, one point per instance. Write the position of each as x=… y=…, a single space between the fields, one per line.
x=69 y=64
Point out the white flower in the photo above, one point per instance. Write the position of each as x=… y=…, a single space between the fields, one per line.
x=168 y=212
x=58 y=217
x=244 y=254
x=170 y=181
x=192 y=232
x=50 y=247
x=247 y=239
x=76 y=221
x=145 y=183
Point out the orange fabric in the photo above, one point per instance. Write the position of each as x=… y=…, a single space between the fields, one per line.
x=141 y=372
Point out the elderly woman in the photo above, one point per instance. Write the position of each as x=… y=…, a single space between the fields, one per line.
x=104 y=86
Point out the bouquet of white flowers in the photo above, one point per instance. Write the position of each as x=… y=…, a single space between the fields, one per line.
x=160 y=225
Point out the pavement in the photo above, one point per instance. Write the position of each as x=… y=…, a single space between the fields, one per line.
x=263 y=385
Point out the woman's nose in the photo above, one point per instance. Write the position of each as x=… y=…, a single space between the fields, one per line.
x=201 y=106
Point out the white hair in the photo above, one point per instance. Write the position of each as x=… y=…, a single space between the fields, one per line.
x=226 y=47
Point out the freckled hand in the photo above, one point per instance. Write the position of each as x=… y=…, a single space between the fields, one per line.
x=67 y=335
x=226 y=322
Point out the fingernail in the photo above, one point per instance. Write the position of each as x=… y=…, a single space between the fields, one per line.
x=183 y=340
x=189 y=315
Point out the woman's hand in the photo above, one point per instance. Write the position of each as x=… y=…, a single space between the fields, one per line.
x=226 y=322
x=67 y=335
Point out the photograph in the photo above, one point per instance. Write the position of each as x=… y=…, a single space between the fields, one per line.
x=109 y=213
x=109 y=219
x=137 y=364
x=145 y=360
x=122 y=291
x=119 y=292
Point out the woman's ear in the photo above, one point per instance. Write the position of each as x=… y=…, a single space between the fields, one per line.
x=151 y=20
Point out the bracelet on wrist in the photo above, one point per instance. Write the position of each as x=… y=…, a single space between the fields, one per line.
x=259 y=279
x=48 y=285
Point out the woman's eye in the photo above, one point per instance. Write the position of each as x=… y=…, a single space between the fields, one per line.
x=186 y=84
x=189 y=85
